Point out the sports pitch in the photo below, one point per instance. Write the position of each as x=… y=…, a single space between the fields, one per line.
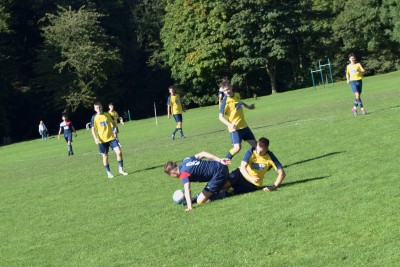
x=338 y=205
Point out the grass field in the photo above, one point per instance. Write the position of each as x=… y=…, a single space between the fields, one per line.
x=338 y=206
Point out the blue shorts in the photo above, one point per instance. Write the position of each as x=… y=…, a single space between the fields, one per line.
x=242 y=134
x=178 y=117
x=68 y=137
x=103 y=147
x=219 y=179
x=240 y=184
x=356 y=86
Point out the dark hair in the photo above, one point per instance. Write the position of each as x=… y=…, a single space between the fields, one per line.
x=264 y=141
x=171 y=87
x=65 y=115
x=169 y=166
x=111 y=104
x=352 y=55
x=97 y=103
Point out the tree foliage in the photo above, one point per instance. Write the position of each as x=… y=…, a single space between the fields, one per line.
x=77 y=47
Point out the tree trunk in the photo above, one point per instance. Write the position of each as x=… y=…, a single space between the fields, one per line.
x=271 y=70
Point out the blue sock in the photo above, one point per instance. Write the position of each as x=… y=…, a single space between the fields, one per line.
x=107 y=167
x=355 y=103
x=180 y=130
x=360 y=103
x=121 y=163
x=174 y=132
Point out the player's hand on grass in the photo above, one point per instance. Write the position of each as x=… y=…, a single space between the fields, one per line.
x=270 y=188
x=188 y=209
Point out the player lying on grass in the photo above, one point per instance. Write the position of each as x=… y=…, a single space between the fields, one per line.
x=256 y=162
x=193 y=169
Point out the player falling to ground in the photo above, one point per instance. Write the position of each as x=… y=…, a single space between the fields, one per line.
x=67 y=127
x=232 y=107
x=103 y=131
x=257 y=161
x=116 y=118
x=174 y=107
x=354 y=73
x=193 y=169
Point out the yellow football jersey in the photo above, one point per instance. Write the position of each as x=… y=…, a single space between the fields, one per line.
x=258 y=166
x=355 y=71
x=102 y=124
x=175 y=102
x=232 y=107
x=114 y=116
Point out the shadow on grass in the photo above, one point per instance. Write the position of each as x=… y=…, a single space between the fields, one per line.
x=311 y=159
x=304 y=181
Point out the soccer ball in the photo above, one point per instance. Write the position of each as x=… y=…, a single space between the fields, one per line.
x=179 y=196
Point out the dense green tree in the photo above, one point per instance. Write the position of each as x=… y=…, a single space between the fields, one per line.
x=262 y=33
x=77 y=48
x=390 y=15
x=194 y=44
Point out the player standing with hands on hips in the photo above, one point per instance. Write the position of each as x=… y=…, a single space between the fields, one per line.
x=354 y=76
x=104 y=131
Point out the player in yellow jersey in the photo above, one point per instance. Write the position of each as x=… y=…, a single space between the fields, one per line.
x=103 y=131
x=354 y=74
x=116 y=118
x=256 y=162
x=232 y=108
x=174 y=107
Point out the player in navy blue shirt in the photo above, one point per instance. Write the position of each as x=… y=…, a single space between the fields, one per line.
x=193 y=169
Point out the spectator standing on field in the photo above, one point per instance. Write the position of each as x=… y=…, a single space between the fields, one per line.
x=354 y=74
x=67 y=127
x=174 y=107
x=43 y=130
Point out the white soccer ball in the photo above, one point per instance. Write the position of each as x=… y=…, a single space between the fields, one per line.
x=178 y=196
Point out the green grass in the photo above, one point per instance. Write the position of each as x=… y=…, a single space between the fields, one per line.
x=338 y=205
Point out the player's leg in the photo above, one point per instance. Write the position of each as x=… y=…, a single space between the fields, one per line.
x=118 y=152
x=249 y=137
x=236 y=141
x=103 y=148
x=214 y=188
x=354 y=89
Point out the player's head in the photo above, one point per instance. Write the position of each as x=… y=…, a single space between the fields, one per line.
x=111 y=106
x=64 y=117
x=171 y=90
x=171 y=169
x=262 y=146
x=98 y=107
x=226 y=86
x=352 y=58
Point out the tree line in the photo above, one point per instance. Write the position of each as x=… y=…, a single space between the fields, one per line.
x=61 y=56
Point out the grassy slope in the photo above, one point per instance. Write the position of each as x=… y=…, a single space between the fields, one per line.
x=337 y=206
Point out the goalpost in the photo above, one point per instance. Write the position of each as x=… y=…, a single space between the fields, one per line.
x=320 y=70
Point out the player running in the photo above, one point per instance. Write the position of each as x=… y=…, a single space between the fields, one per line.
x=232 y=107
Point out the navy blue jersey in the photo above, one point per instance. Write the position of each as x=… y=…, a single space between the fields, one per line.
x=66 y=127
x=194 y=170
